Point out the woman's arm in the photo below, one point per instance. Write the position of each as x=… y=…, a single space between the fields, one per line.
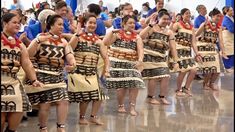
x=74 y=40
x=172 y=44
x=104 y=55
x=35 y=44
x=110 y=37
x=194 y=46
x=28 y=67
x=69 y=56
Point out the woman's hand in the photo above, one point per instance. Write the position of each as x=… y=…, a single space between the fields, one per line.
x=43 y=38
x=139 y=66
x=224 y=55
x=198 y=58
x=106 y=72
x=36 y=83
x=69 y=68
x=175 y=66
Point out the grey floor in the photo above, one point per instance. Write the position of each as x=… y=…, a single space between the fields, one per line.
x=206 y=111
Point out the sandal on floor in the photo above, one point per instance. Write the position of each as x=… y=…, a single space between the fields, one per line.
x=163 y=100
x=42 y=128
x=94 y=119
x=60 y=126
x=179 y=93
x=133 y=112
x=8 y=130
x=152 y=100
x=187 y=91
x=121 y=108
x=82 y=120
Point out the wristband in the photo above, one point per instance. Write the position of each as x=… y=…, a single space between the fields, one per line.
x=38 y=41
x=150 y=25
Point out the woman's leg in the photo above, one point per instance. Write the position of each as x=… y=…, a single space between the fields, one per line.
x=180 y=79
x=3 y=119
x=95 y=108
x=206 y=81
x=83 y=107
x=189 y=80
x=214 y=77
x=152 y=83
x=62 y=112
x=164 y=89
x=133 y=92
x=43 y=116
x=14 y=119
x=121 y=92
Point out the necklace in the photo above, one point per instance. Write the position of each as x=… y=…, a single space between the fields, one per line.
x=55 y=39
x=163 y=29
x=186 y=25
x=212 y=26
x=6 y=41
x=127 y=36
x=89 y=37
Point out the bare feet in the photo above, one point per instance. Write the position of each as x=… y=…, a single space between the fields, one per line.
x=83 y=121
x=95 y=120
x=121 y=108
x=132 y=110
x=60 y=127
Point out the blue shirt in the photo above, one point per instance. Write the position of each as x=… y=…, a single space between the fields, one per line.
x=150 y=12
x=66 y=26
x=33 y=30
x=100 y=29
x=117 y=24
x=228 y=23
x=32 y=21
x=198 y=21
x=104 y=16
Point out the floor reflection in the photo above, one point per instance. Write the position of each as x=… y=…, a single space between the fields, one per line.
x=206 y=111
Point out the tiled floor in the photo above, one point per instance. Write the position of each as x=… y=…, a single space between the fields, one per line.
x=206 y=111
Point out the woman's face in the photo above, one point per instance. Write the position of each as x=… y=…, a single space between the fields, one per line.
x=216 y=18
x=230 y=12
x=164 y=20
x=129 y=25
x=58 y=26
x=91 y=24
x=13 y=25
x=187 y=15
x=127 y=10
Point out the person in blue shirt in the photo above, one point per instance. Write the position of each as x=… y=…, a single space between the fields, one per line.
x=40 y=26
x=61 y=9
x=228 y=37
x=159 y=5
x=125 y=9
x=201 y=9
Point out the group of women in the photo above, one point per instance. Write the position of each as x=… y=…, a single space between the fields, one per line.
x=129 y=58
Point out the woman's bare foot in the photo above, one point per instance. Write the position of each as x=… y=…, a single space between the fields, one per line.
x=43 y=129
x=187 y=91
x=60 y=127
x=83 y=121
x=95 y=120
x=121 y=108
x=132 y=110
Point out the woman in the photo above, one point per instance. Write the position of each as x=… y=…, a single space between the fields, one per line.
x=209 y=33
x=228 y=38
x=185 y=40
x=83 y=84
x=126 y=56
x=14 y=55
x=49 y=51
x=158 y=41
